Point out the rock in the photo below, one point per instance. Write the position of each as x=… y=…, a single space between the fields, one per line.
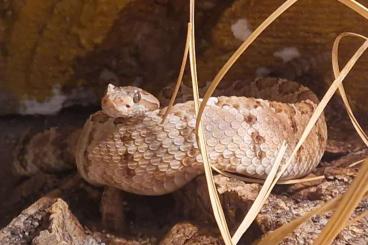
x=284 y=204
x=291 y=202
x=49 y=151
x=48 y=221
x=187 y=233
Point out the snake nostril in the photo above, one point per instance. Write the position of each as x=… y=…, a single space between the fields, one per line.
x=127 y=106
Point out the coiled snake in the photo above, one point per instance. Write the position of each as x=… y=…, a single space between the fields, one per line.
x=126 y=146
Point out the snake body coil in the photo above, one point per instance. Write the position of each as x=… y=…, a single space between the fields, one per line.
x=126 y=146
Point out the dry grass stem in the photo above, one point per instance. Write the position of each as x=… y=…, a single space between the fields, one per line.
x=336 y=70
x=180 y=76
x=356 y=6
x=214 y=198
x=356 y=163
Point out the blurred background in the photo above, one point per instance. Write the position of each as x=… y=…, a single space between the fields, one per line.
x=54 y=54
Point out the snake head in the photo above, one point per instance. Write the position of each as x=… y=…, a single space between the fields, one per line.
x=127 y=101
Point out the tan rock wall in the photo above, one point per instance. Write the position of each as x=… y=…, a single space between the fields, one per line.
x=55 y=53
x=42 y=39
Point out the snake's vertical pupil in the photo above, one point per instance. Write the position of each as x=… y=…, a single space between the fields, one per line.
x=137 y=96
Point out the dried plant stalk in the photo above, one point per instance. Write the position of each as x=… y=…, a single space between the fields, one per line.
x=180 y=76
x=336 y=70
x=357 y=7
x=214 y=198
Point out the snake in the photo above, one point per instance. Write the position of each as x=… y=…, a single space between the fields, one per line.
x=128 y=146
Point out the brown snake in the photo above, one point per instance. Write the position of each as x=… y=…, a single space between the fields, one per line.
x=126 y=146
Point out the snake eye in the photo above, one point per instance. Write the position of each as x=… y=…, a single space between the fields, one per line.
x=137 y=96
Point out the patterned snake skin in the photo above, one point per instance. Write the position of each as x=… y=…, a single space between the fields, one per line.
x=126 y=146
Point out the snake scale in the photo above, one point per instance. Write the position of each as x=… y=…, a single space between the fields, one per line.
x=126 y=145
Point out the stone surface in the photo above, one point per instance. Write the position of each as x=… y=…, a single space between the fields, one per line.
x=187 y=233
x=284 y=204
x=48 y=221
